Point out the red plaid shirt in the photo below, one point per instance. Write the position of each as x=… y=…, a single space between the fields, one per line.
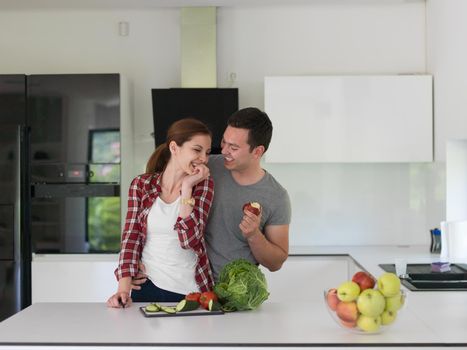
x=144 y=190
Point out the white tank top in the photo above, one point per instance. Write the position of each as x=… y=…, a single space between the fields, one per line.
x=168 y=265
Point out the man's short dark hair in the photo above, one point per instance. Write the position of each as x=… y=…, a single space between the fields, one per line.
x=257 y=123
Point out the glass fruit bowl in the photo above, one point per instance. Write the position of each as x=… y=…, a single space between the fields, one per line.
x=369 y=313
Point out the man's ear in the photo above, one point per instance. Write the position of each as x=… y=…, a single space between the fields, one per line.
x=258 y=151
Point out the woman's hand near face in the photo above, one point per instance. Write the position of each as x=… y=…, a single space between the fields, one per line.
x=200 y=173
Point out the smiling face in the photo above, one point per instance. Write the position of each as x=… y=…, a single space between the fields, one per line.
x=236 y=150
x=193 y=152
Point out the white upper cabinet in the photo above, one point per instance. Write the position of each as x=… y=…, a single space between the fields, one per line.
x=350 y=118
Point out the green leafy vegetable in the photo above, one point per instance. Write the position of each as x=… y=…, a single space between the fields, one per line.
x=241 y=286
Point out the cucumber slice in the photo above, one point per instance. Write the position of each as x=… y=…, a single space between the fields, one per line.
x=168 y=309
x=153 y=307
x=187 y=305
x=214 y=305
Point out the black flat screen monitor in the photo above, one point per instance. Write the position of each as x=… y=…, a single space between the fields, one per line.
x=213 y=106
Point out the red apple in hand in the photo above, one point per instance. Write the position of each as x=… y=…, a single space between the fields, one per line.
x=332 y=299
x=364 y=280
x=253 y=207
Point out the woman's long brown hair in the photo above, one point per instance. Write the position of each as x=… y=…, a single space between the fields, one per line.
x=180 y=131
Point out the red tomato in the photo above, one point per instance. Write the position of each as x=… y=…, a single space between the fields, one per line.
x=206 y=297
x=193 y=297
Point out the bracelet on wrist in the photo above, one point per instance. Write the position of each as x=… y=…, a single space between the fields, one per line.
x=188 y=201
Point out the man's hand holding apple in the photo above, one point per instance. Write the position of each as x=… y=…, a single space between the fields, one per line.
x=250 y=222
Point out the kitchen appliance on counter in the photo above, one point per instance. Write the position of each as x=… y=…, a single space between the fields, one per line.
x=421 y=277
x=59 y=168
x=454 y=240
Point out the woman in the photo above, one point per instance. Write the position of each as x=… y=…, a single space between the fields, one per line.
x=168 y=208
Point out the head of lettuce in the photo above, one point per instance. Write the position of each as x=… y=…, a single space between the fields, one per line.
x=241 y=286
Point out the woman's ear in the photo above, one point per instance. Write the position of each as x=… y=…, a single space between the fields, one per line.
x=173 y=147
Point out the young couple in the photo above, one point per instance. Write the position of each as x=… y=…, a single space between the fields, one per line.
x=178 y=234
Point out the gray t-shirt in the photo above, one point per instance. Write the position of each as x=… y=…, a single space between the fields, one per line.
x=224 y=238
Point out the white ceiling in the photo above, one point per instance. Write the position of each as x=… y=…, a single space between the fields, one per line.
x=122 y=4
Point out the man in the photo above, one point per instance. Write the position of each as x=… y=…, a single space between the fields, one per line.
x=234 y=233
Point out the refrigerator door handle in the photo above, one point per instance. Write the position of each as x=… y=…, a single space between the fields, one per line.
x=18 y=272
x=18 y=194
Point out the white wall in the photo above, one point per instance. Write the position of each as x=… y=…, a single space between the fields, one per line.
x=332 y=203
x=87 y=41
x=446 y=59
x=343 y=37
x=447 y=54
x=456 y=180
x=338 y=203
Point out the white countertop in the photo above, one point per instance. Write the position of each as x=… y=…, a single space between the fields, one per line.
x=272 y=324
x=430 y=318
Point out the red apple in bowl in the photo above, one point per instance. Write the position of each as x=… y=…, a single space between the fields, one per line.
x=347 y=311
x=332 y=299
x=352 y=324
x=364 y=279
x=253 y=207
x=366 y=307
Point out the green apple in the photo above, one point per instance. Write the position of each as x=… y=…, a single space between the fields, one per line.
x=388 y=317
x=368 y=323
x=371 y=303
x=395 y=303
x=348 y=291
x=389 y=284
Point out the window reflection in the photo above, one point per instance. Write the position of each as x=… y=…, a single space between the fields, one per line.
x=103 y=217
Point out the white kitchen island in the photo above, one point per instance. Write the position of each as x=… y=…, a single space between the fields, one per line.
x=291 y=318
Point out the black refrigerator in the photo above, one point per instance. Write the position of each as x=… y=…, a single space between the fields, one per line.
x=59 y=173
